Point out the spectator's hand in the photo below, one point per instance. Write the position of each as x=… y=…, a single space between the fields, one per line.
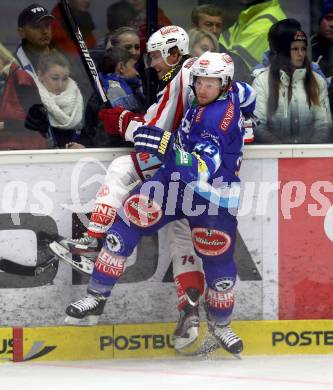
x=115 y=120
x=37 y=119
x=153 y=140
x=74 y=145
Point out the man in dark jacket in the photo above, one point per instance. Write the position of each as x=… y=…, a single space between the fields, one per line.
x=21 y=109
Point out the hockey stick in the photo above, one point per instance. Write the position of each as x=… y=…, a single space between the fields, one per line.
x=84 y=52
x=26 y=270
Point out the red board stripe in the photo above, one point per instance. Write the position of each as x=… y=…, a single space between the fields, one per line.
x=18 y=344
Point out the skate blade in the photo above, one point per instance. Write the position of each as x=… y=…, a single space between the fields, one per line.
x=205 y=347
x=85 y=266
x=185 y=342
x=87 y=321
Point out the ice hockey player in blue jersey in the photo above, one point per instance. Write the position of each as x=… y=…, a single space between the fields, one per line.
x=199 y=181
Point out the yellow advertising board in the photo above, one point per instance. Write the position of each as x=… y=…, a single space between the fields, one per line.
x=6 y=344
x=155 y=340
x=66 y=343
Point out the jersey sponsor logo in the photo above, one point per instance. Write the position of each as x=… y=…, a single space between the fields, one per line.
x=210 y=242
x=219 y=299
x=103 y=191
x=202 y=166
x=103 y=214
x=168 y=75
x=168 y=29
x=183 y=158
x=199 y=114
x=114 y=242
x=228 y=117
x=110 y=265
x=164 y=142
x=224 y=284
x=142 y=211
x=190 y=62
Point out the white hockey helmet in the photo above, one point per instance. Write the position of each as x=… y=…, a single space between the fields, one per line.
x=210 y=64
x=167 y=37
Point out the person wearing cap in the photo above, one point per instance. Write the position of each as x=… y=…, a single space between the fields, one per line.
x=292 y=101
x=273 y=36
x=21 y=108
x=34 y=28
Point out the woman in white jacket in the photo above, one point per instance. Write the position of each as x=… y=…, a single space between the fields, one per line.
x=292 y=102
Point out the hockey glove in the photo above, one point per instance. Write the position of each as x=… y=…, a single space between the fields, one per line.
x=115 y=120
x=249 y=125
x=153 y=140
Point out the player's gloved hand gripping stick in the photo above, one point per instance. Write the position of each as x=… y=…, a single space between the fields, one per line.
x=153 y=140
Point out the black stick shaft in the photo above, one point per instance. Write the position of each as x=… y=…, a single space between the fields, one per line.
x=83 y=50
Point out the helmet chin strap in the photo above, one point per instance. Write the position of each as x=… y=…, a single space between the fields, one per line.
x=172 y=65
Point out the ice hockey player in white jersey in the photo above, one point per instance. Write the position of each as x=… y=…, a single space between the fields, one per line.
x=168 y=52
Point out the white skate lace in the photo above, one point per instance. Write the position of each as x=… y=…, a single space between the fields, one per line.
x=87 y=303
x=226 y=335
x=83 y=240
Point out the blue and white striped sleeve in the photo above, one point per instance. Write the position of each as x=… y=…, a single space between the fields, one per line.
x=247 y=98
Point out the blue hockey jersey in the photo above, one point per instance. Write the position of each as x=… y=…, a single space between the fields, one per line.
x=208 y=147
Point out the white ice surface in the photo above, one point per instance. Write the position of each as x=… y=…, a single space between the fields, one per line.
x=250 y=373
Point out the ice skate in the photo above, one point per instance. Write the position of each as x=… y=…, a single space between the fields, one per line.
x=79 y=253
x=187 y=329
x=86 y=311
x=225 y=338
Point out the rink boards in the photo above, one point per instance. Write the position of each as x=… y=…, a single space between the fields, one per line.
x=155 y=340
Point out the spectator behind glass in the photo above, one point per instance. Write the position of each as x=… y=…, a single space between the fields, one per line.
x=6 y=58
x=129 y=39
x=62 y=38
x=247 y=37
x=202 y=41
x=61 y=98
x=209 y=17
x=273 y=36
x=118 y=15
x=292 y=102
x=139 y=21
x=120 y=80
x=126 y=38
x=322 y=43
x=20 y=93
